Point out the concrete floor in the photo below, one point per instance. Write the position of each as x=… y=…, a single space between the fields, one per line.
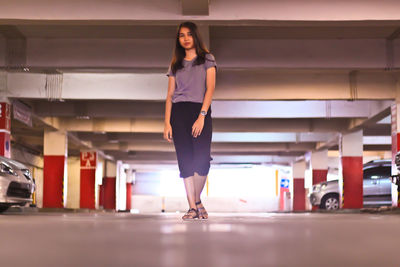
x=120 y=239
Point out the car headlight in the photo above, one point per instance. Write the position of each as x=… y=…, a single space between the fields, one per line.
x=4 y=168
x=317 y=188
x=27 y=174
x=323 y=186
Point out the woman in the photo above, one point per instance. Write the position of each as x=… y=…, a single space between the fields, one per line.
x=188 y=123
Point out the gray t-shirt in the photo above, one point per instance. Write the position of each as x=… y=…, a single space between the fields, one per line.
x=190 y=81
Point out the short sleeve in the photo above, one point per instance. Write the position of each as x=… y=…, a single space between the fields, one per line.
x=170 y=73
x=210 y=62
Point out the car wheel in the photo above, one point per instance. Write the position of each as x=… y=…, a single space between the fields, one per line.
x=330 y=202
x=3 y=208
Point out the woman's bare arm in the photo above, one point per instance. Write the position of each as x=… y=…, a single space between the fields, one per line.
x=168 y=107
x=210 y=83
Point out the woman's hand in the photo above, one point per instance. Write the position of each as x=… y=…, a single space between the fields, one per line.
x=168 y=132
x=198 y=126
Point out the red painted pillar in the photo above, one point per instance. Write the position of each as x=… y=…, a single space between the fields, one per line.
x=88 y=180
x=351 y=150
x=130 y=178
x=5 y=129
x=319 y=176
x=299 y=191
x=54 y=167
x=109 y=186
x=128 y=196
x=319 y=165
x=109 y=192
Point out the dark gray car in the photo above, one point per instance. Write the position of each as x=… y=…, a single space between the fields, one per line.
x=377 y=188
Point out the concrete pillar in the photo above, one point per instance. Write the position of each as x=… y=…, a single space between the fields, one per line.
x=351 y=153
x=88 y=180
x=319 y=166
x=74 y=180
x=395 y=133
x=130 y=178
x=395 y=119
x=109 y=186
x=299 y=191
x=128 y=196
x=54 y=169
x=101 y=196
x=120 y=194
x=5 y=129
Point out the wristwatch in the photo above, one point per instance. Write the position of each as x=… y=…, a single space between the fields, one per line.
x=203 y=112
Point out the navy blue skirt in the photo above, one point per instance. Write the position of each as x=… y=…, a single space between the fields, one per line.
x=194 y=154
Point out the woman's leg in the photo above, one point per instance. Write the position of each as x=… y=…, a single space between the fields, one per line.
x=199 y=182
x=190 y=191
x=181 y=132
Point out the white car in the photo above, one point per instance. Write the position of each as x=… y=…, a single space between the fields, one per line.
x=376 y=187
x=16 y=184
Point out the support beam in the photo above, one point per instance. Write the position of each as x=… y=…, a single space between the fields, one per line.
x=218 y=137
x=220 y=109
x=219 y=125
x=195 y=7
x=246 y=84
x=218 y=159
x=217 y=147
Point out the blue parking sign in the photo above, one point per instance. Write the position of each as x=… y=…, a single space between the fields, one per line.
x=285 y=183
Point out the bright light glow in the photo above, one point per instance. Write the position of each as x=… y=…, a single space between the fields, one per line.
x=257 y=181
x=254 y=181
x=377 y=140
x=171 y=185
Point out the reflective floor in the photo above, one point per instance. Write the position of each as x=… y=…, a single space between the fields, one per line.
x=120 y=239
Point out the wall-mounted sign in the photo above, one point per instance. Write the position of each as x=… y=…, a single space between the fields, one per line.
x=22 y=113
x=285 y=183
x=88 y=159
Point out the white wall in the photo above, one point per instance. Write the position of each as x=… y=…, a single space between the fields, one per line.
x=153 y=204
x=229 y=190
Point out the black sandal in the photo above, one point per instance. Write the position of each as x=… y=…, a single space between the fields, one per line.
x=202 y=214
x=191 y=214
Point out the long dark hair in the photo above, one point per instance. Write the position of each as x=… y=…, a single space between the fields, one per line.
x=179 y=51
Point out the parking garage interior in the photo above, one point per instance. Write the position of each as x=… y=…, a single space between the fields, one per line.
x=306 y=99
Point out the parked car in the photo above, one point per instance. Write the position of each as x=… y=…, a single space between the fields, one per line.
x=377 y=189
x=396 y=178
x=16 y=184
